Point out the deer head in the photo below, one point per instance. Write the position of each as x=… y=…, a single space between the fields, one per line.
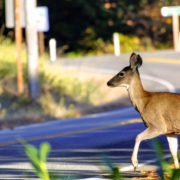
x=125 y=76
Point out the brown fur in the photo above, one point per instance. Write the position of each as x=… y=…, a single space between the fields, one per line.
x=160 y=111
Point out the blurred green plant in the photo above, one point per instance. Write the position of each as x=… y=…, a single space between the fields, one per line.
x=174 y=174
x=112 y=172
x=38 y=160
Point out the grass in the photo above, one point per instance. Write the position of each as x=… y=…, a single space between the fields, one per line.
x=60 y=93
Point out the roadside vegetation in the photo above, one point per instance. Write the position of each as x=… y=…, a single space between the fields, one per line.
x=128 y=43
x=62 y=93
x=38 y=160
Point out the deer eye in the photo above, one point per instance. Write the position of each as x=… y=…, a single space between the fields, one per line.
x=121 y=74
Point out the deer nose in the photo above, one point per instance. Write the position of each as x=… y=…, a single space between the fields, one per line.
x=109 y=84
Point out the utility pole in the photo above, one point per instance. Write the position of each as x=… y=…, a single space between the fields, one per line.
x=32 y=48
x=18 y=39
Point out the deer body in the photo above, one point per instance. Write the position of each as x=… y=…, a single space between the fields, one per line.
x=157 y=109
x=160 y=111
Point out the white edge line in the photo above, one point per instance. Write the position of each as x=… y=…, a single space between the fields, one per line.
x=163 y=82
x=93 y=178
x=145 y=163
x=167 y=84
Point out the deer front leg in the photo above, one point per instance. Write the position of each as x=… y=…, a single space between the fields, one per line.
x=173 y=146
x=149 y=133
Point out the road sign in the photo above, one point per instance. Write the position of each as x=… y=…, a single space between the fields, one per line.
x=173 y=11
x=42 y=16
x=170 y=10
x=42 y=19
x=10 y=14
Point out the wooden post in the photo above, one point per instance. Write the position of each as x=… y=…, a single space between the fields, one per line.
x=116 y=44
x=41 y=43
x=52 y=49
x=175 y=24
x=18 y=39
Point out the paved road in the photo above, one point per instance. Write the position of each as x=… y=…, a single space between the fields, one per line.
x=162 y=65
x=78 y=144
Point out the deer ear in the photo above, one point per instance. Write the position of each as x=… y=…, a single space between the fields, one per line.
x=135 y=61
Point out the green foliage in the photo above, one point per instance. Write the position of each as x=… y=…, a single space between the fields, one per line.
x=94 y=20
x=66 y=85
x=114 y=172
x=174 y=173
x=54 y=85
x=128 y=43
x=38 y=159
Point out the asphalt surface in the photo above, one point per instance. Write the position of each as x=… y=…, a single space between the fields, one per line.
x=79 y=144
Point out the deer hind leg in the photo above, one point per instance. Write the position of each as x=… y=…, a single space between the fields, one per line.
x=173 y=146
x=149 y=133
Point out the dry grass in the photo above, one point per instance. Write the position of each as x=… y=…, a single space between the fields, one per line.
x=63 y=93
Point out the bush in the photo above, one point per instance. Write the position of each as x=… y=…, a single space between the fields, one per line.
x=128 y=43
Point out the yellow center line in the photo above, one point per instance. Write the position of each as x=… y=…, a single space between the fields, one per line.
x=162 y=60
x=72 y=132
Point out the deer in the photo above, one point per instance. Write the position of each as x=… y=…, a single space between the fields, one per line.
x=159 y=111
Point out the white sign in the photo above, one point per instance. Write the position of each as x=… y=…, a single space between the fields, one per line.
x=41 y=15
x=42 y=19
x=10 y=16
x=170 y=10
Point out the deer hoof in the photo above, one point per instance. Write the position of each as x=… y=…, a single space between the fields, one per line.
x=135 y=168
x=135 y=164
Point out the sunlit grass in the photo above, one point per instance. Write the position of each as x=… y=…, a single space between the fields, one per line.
x=55 y=86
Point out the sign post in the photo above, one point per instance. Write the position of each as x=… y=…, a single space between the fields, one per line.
x=52 y=46
x=175 y=24
x=116 y=44
x=18 y=38
x=173 y=11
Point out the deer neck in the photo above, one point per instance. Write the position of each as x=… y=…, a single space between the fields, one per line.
x=138 y=96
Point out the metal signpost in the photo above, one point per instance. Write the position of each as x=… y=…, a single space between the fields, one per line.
x=173 y=11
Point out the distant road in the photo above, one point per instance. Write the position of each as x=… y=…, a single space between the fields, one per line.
x=162 y=65
x=78 y=143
